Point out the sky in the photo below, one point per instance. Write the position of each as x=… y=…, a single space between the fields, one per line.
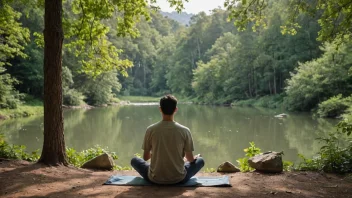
x=193 y=6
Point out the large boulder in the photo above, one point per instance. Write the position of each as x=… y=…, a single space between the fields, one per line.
x=270 y=162
x=101 y=162
x=227 y=167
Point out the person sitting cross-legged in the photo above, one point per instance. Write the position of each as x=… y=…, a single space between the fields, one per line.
x=169 y=145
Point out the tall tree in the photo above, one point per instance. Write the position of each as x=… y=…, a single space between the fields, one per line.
x=53 y=151
x=91 y=12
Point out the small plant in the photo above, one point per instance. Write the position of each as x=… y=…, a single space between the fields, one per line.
x=120 y=168
x=288 y=166
x=210 y=170
x=138 y=155
x=307 y=164
x=250 y=152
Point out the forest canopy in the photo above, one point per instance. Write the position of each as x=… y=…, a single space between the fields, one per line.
x=216 y=59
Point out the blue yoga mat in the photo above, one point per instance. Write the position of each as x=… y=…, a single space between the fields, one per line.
x=194 y=181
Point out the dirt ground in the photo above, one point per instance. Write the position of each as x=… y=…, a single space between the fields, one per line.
x=23 y=179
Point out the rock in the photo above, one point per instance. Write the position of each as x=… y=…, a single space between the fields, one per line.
x=101 y=162
x=267 y=162
x=281 y=116
x=227 y=167
x=3 y=117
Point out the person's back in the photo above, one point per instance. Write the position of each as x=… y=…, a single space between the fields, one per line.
x=170 y=141
x=167 y=143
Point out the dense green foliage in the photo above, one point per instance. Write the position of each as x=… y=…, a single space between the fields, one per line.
x=209 y=61
x=16 y=151
x=92 y=60
x=334 y=106
x=13 y=37
x=334 y=16
x=317 y=80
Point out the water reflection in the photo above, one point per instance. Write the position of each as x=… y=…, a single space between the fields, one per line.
x=220 y=133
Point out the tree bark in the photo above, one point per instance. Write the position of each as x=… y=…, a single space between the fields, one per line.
x=275 y=89
x=53 y=152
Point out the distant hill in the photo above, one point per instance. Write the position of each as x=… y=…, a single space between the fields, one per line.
x=182 y=17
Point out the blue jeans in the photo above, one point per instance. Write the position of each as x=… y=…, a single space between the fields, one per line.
x=142 y=167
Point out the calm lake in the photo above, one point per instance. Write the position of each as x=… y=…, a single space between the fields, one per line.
x=220 y=133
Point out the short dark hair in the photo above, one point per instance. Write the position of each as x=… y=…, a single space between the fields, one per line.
x=168 y=104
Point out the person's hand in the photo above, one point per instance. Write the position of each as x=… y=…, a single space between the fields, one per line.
x=196 y=156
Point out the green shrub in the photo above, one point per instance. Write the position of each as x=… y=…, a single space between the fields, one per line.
x=250 y=152
x=16 y=151
x=73 y=98
x=79 y=158
x=335 y=156
x=334 y=106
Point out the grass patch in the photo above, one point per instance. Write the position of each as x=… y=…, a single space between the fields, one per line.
x=29 y=108
x=140 y=98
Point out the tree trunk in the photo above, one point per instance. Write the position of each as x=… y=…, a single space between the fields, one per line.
x=249 y=86
x=198 y=48
x=275 y=88
x=53 y=152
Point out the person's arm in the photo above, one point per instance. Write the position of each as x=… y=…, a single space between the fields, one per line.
x=189 y=147
x=146 y=155
x=147 y=146
x=189 y=156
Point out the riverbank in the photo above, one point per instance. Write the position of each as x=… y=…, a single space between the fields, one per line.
x=26 y=109
x=23 y=179
x=271 y=102
x=36 y=107
x=139 y=98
